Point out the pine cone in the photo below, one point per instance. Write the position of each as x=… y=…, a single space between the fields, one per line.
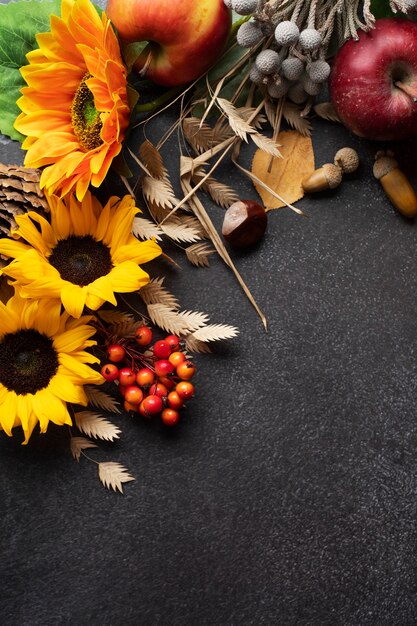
x=19 y=193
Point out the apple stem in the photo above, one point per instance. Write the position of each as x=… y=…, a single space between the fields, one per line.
x=144 y=69
x=406 y=89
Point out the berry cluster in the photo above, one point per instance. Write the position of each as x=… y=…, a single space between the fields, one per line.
x=154 y=382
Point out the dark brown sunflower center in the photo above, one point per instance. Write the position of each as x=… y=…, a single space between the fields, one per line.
x=81 y=260
x=28 y=361
x=85 y=118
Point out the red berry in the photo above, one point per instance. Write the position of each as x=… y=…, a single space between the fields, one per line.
x=173 y=341
x=168 y=382
x=163 y=367
x=133 y=394
x=186 y=370
x=143 y=335
x=176 y=358
x=122 y=389
x=152 y=404
x=110 y=372
x=116 y=352
x=143 y=411
x=161 y=349
x=126 y=376
x=130 y=407
x=145 y=377
x=158 y=389
x=170 y=417
x=174 y=401
x=185 y=389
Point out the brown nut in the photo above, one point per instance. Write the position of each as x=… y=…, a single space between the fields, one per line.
x=244 y=223
x=395 y=184
x=328 y=176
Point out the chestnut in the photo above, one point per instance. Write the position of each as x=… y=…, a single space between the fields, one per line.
x=244 y=223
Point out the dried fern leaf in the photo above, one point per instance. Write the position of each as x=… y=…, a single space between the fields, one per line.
x=194 y=319
x=221 y=194
x=198 y=254
x=168 y=319
x=114 y=316
x=126 y=329
x=94 y=425
x=327 y=111
x=291 y=113
x=195 y=345
x=180 y=230
x=113 y=475
x=215 y=332
x=266 y=144
x=199 y=135
x=78 y=444
x=159 y=191
x=101 y=399
x=240 y=127
x=155 y=293
x=145 y=229
x=247 y=112
x=152 y=159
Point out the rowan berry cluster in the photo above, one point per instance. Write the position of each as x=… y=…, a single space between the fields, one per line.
x=155 y=381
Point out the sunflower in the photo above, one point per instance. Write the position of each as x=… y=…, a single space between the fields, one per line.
x=43 y=364
x=83 y=256
x=75 y=107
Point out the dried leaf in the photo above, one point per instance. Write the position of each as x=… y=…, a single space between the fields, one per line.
x=215 y=332
x=195 y=345
x=247 y=112
x=292 y=115
x=168 y=319
x=198 y=254
x=155 y=293
x=180 y=230
x=194 y=319
x=284 y=175
x=94 y=425
x=199 y=135
x=114 y=316
x=145 y=229
x=152 y=159
x=101 y=399
x=113 y=475
x=78 y=444
x=327 y=111
x=160 y=191
x=221 y=194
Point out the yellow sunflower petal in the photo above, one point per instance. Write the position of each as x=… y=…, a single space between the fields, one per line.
x=72 y=339
x=73 y=298
x=8 y=412
x=64 y=389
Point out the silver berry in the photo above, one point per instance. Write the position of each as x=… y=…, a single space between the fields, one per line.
x=228 y=3
x=297 y=93
x=249 y=34
x=286 y=33
x=310 y=39
x=318 y=71
x=277 y=89
x=267 y=61
x=292 y=68
x=256 y=76
x=313 y=89
x=245 y=7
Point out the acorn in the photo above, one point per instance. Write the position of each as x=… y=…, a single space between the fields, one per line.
x=395 y=184
x=347 y=159
x=244 y=223
x=328 y=176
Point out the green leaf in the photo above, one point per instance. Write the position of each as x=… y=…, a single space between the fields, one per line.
x=20 y=22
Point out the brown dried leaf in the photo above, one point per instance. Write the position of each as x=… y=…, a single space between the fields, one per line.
x=101 y=399
x=94 y=425
x=200 y=136
x=292 y=115
x=155 y=293
x=152 y=159
x=113 y=475
x=186 y=229
x=195 y=345
x=221 y=194
x=159 y=191
x=145 y=229
x=327 y=111
x=198 y=254
x=77 y=444
x=168 y=319
x=284 y=175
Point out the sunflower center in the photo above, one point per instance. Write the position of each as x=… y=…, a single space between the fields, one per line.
x=81 y=260
x=28 y=361
x=85 y=118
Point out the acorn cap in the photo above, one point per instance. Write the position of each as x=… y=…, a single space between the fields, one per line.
x=333 y=174
x=383 y=165
x=347 y=159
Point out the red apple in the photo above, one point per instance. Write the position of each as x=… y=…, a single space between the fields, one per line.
x=185 y=37
x=373 y=82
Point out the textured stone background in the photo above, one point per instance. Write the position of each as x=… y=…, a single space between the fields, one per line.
x=288 y=493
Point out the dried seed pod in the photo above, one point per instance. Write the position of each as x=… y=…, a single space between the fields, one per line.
x=277 y=88
x=249 y=34
x=310 y=40
x=297 y=93
x=244 y=223
x=292 y=68
x=318 y=71
x=287 y=33
x=244 y=7
x=312 y=88
x=267 y=61
x=395 y=184
x=328 y=176
x=347 y=159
